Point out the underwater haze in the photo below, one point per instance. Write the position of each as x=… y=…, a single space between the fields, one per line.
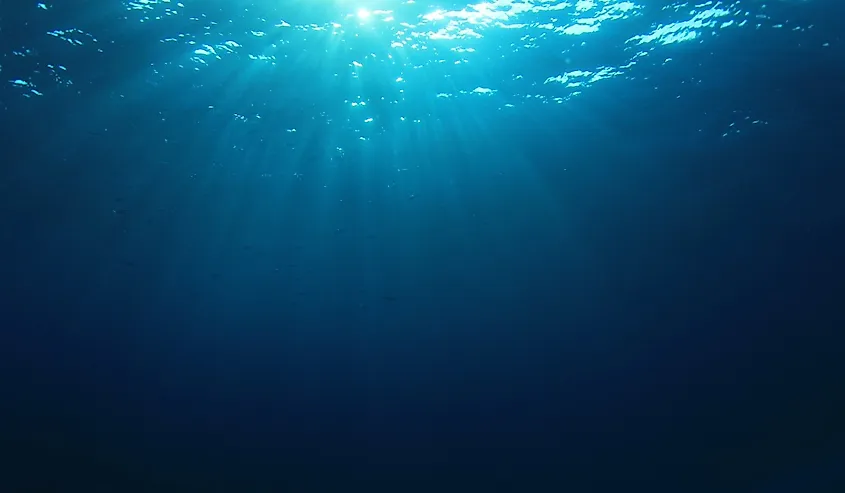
x=373 y=245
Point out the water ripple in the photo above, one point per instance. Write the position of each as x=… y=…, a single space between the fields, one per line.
x=367 y=65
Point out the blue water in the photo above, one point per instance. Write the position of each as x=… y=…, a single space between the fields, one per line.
x=330 y=245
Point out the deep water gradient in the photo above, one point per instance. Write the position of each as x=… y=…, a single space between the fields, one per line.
x=339 y=245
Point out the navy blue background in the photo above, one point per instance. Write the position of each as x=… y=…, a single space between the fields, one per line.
x=602 y=294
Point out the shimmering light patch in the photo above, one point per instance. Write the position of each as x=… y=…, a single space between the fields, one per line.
x=742 y=122
x=580 y=29
x=28 y=86
x=686 y=30
x=73 y=36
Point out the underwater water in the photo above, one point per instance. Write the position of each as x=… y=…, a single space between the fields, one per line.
x=518 y=245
